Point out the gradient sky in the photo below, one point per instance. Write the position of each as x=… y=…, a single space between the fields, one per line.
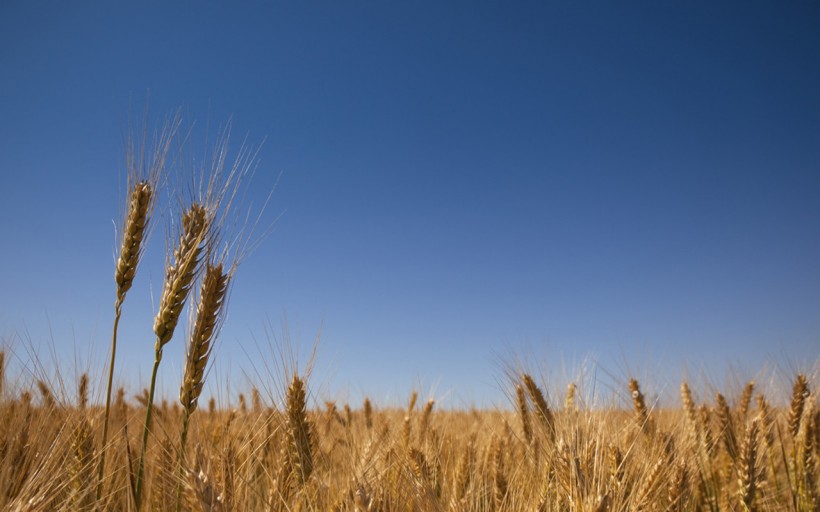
x=462 y=184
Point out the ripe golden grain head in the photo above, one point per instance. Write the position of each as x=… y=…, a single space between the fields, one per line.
x=179 y=274
x=209 y=311
x=131 y=247
x=299 y=431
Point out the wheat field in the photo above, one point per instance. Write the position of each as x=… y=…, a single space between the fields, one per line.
x=549 y=450
x=533 y=457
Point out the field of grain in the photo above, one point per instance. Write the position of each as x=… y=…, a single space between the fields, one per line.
x=549 y=450
x=538 y=456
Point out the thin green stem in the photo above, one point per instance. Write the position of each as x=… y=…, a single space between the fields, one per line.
x=147 y=428
x=101 y=470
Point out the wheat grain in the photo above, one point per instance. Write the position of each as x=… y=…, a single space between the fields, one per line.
x=300 y=449
x=800 y=393
x=749 y=468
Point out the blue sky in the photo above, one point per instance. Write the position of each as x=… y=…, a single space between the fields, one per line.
x=462 y=183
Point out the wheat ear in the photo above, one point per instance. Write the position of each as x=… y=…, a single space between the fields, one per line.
x=749 y=468
x=300 y=455
x=542 y=410
x=727 y=429
x=178 y=279
x=569 y=399
x=208 y=316
x=140 y=201
x=746 y=399
x=639 y=406
x=180 y=275
x=800 y=392
x=523 y=413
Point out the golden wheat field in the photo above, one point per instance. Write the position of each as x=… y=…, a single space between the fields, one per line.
x=538 y=456
x=549 y=450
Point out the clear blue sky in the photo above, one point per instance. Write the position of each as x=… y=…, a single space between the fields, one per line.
x=462 y=182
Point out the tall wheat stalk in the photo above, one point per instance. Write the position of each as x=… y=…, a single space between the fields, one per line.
x=141 y=200
x=178 y=279
x=210 y=311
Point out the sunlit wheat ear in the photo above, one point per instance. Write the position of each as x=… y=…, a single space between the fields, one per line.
x=424 y=421
x=300 y=454
x=691 y=412
x=542 y=410
x=800 y=392
x=727 y=429
x=256 y=401
x=749 y=468
x=569 y=398
x=807 y=461
x=766 y=422
x=523 y=413
x=412 y=405
x=208 y=313
x=746 y=399
x=139 y=206
x=705 y=428
x=649 y=485
x=639 y=406
x=180 y=274
x=82 y=392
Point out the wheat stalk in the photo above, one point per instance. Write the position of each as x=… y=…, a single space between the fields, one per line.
x=209 y=313
x=141 y=200
x=178 y=279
